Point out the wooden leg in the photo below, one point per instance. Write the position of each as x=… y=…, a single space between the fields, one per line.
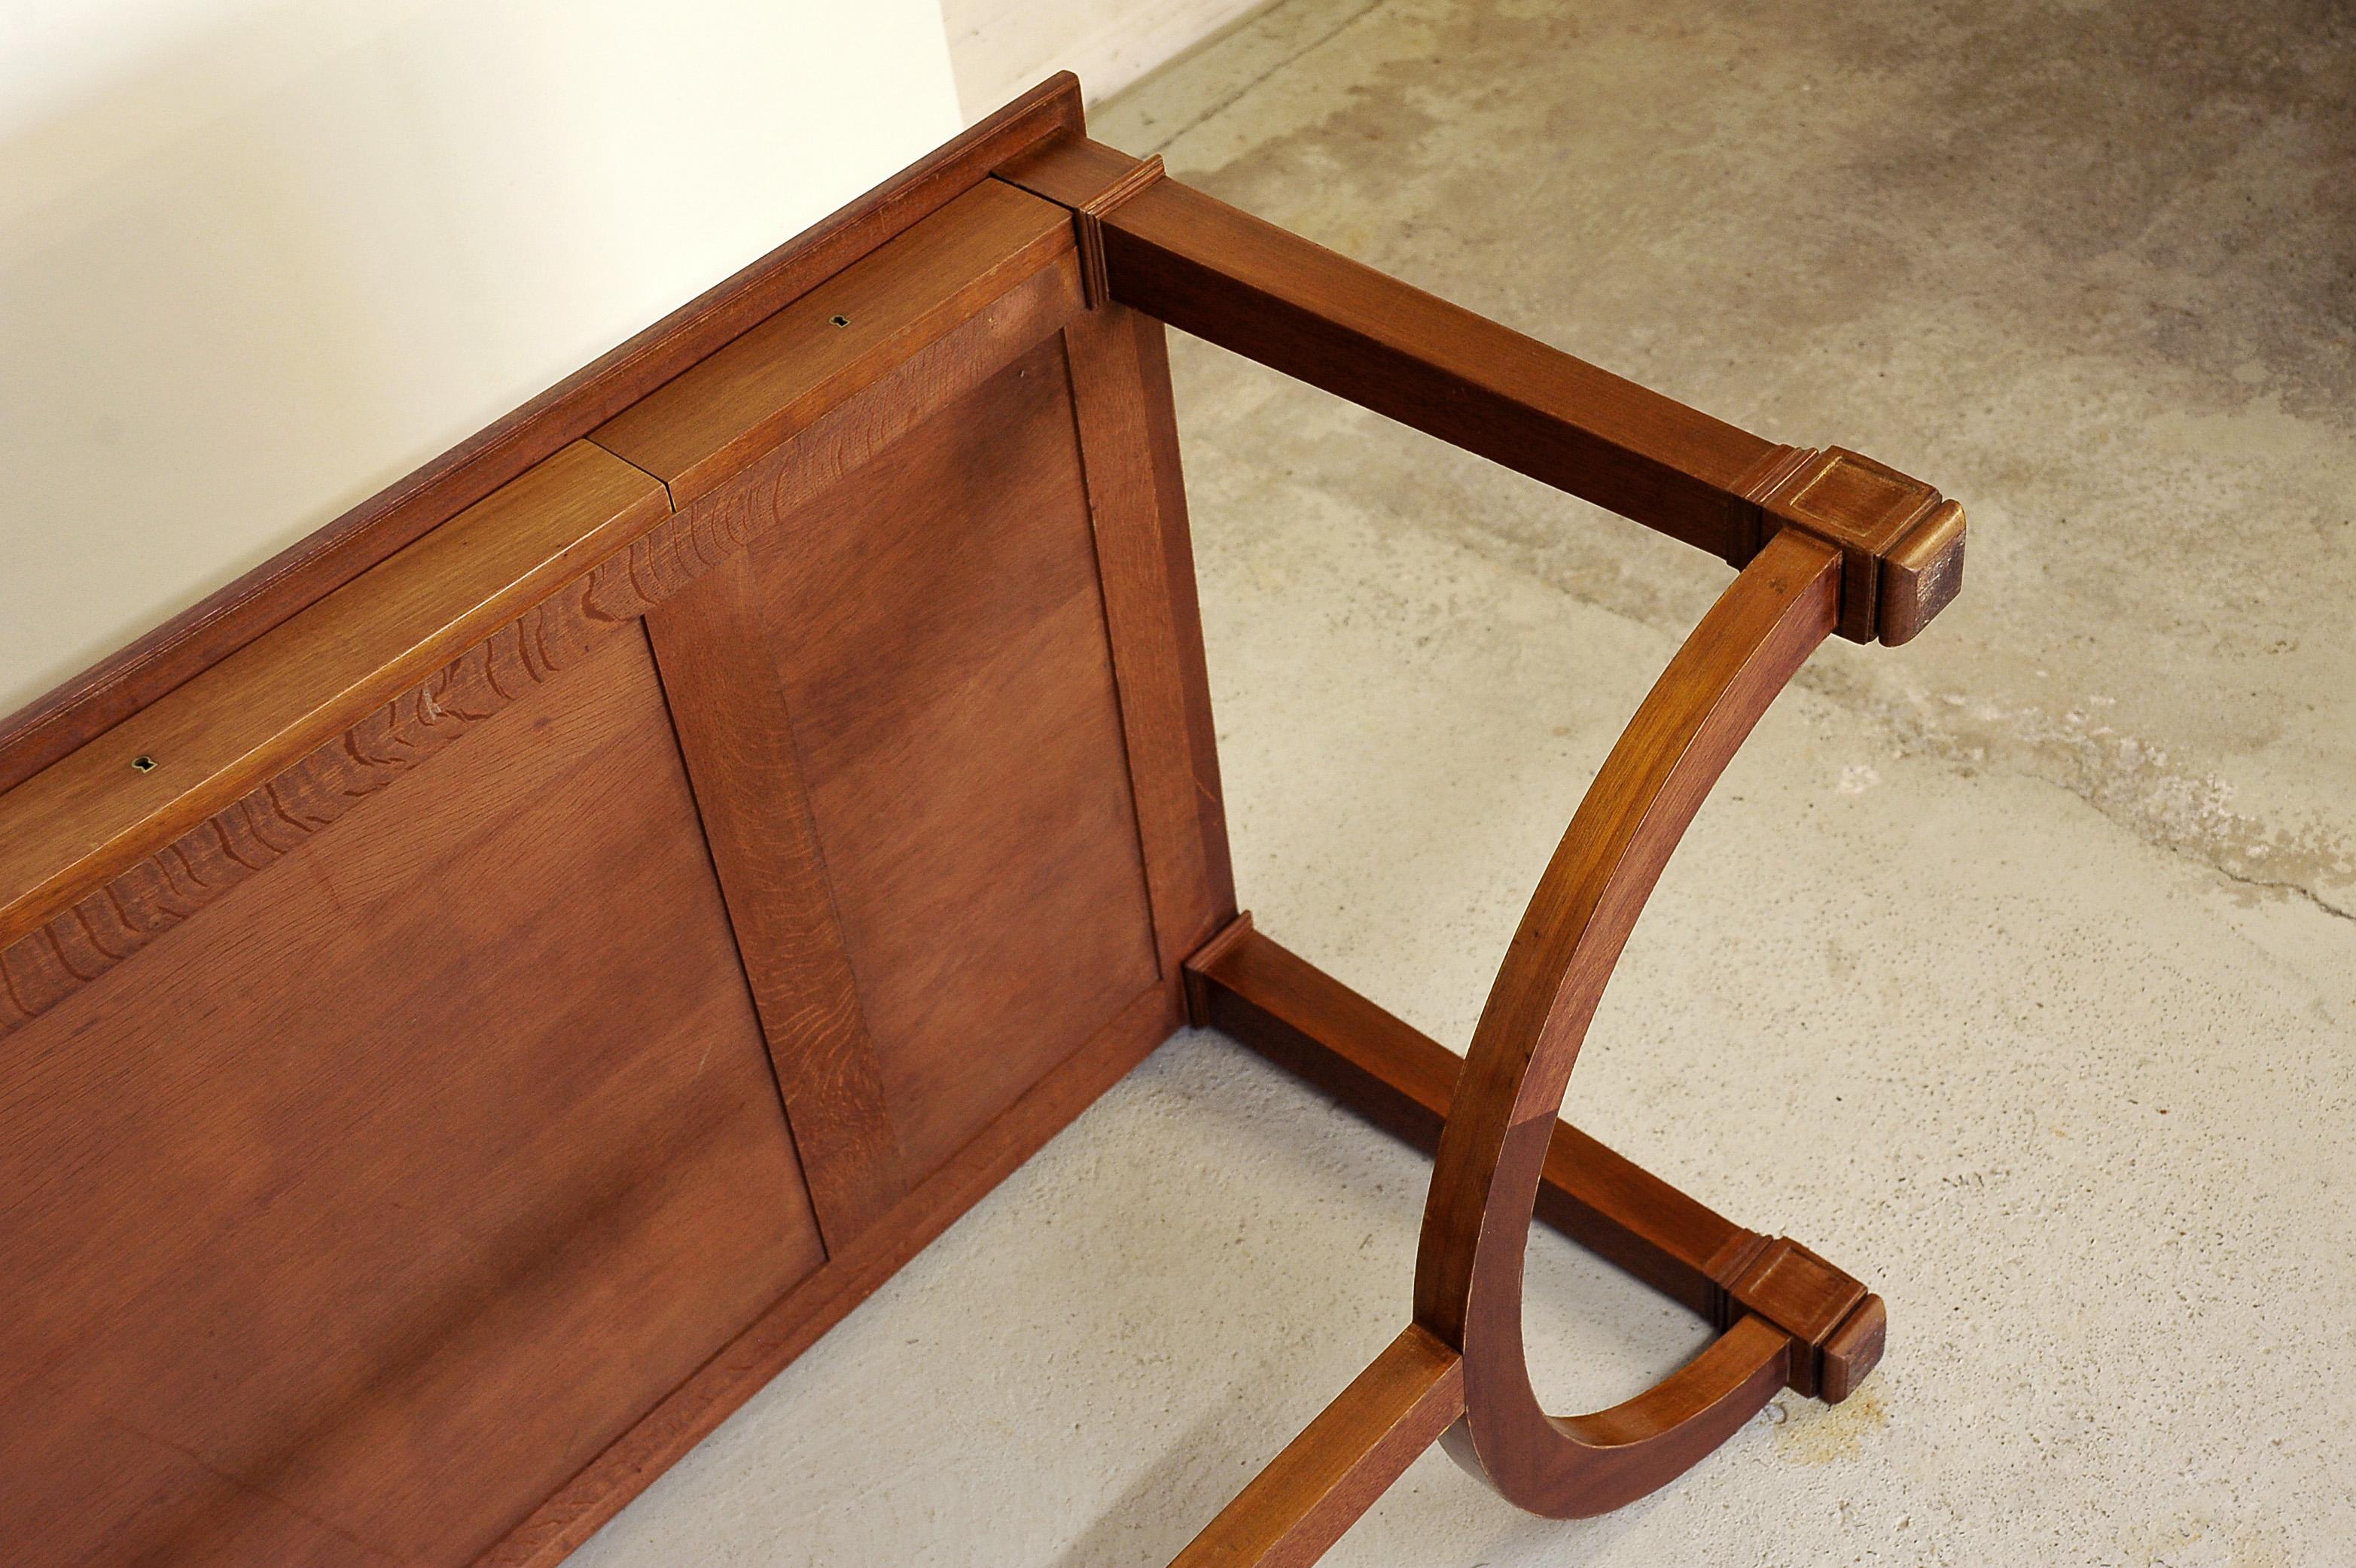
x=1502 y=1154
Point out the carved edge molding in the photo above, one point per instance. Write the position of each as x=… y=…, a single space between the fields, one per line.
x=163 y=890
x=1901 y=542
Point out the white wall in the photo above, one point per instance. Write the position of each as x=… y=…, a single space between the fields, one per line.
x=259 y=260
x=1001 y=46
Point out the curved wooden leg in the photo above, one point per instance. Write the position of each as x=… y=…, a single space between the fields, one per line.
x=1637 y=1447
x=1788 y=1317
x=1486 y=1175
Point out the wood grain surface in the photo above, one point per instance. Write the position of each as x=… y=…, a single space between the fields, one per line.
x=941 y=636
x=347 y=1223
x=728 y=702
x=1268 y=295
x=96 y=856
x=1230 y=279
x=1136 y=507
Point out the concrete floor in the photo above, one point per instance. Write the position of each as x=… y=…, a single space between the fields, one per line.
x=2015 y=970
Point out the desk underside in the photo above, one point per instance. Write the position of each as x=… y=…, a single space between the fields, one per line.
x=544 y=982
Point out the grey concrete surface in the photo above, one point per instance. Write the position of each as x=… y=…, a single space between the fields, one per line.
x=2015 y=970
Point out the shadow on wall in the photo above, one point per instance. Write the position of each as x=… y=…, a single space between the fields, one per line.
x=257 y=261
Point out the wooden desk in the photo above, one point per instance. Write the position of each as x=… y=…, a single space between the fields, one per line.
x=487 y=991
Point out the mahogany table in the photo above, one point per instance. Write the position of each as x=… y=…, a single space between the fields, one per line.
x=489 y=989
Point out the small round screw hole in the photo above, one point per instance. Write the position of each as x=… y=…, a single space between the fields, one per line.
x=144 y=763
x=840 y=320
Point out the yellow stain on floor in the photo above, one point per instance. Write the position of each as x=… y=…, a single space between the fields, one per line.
x=1828 y=1434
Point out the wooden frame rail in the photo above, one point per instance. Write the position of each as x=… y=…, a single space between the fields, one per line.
x=1272 y=296
x=1829 y=542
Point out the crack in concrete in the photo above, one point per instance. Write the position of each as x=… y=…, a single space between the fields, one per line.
x=2129 y=781
x=2132 y=782
x=2181 y=852
x=2310 y=894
